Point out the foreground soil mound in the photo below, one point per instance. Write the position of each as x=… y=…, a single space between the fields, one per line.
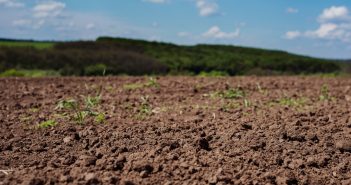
x=175 y=130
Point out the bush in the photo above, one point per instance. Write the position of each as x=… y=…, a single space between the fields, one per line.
x=12 y=73
x=95 y=70
x=28 y=73
x=213 y=74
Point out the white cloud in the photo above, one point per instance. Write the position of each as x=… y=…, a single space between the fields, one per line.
x=11 y=3
x=183 y=34
x=156 y=1
x=206 y=8
x=21 y=22
x=334 y=12
x=48 y=9
x=292 y=34
x=292 y=10
x=89 y=26
x=324 y=31
x=334 y=25
x=216 y=33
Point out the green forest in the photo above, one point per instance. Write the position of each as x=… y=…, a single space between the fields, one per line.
x=119 y=56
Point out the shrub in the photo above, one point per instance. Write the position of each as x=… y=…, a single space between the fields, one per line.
x=95 y=70
x=213 y=74
x=12 y=73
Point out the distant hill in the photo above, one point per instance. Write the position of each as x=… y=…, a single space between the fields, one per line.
x=139 y=57
x=26 y=43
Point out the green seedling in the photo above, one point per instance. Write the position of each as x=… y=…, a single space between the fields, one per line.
x=230 y=106
x=230 y=94
x=152 y=82
x=109 y=88
x=100 y=118
x=25 y=118
x=47 y=124
x=70 y=104
x=80 y=116
x=260 y=90
x=78 y=111
x=91 y=101
x=34 y=110
x=324 y=93
x=145 y=108
x=296 y=102
x=133 y=86
x=247 y=103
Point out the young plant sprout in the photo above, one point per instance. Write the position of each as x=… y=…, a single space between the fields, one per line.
x=47 y=124
x=79 y=111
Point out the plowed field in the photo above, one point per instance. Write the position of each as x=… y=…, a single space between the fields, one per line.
x=175 y=130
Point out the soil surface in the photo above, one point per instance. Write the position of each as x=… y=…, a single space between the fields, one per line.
x=176 y=130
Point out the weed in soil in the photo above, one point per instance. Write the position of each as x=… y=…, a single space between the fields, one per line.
x=292 y=102
x=145 y=109
x=100 y=118
x=247 y=103
x=79 y=111
x=152 y=82
x=47 y=124
x=324 y=93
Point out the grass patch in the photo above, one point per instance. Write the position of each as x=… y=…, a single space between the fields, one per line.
x=47 y=124
x=247 y=103
x=82 y=109
x=28 y=73
x=213 y=74
x=100 y=118
x=79 y=111
x=324 y=93
x=230 y=106
x=230 y=94
x=133 y=86
x=292 y=102
x=152 y=82
x=37 y=45
x=145 y=109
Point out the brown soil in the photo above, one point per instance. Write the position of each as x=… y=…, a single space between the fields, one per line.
x=286 y=130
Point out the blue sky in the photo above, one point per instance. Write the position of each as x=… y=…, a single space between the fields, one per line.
x=319 y=28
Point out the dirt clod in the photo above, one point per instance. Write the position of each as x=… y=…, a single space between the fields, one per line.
x=204 y=144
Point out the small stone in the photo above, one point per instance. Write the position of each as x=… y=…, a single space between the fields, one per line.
x=69 y=160
x=88 y=160
x=67 y=139
x=213 y=180
x=295 y=164
x=335 y=174
x=101 y=162
x=344 y=145
x=312 y=162
x=121 y=158
x=144 y=174
x=91 y=179
x=63 y=178
x=89 y=176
